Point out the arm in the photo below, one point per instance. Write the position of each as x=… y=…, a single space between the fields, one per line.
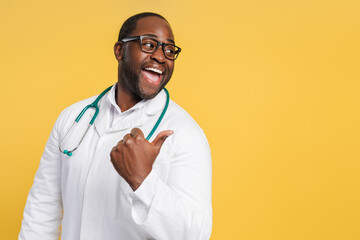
x=180 y=207
x=43 y=210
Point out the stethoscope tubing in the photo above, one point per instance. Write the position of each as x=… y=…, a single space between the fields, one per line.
x=95 y=105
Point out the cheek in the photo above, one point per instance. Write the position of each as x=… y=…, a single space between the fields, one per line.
x=133 y=56
x=136 y=62
x=171 y=69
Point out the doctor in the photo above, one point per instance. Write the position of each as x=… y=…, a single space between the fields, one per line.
x=118 y=185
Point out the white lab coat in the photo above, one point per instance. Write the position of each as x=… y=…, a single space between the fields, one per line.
x=91 y=201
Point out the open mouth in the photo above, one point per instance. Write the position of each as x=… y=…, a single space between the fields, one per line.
x=152 y=75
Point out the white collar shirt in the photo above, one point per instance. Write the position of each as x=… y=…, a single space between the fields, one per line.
x=86 y=197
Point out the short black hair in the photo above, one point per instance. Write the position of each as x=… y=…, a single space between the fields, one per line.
x=130 y=24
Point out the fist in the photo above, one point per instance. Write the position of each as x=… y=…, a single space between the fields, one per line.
x=134 y=156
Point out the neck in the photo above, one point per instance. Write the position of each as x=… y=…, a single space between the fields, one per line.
x=124 y=99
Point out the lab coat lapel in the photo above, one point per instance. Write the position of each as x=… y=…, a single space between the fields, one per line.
x=155 y=105
x=102 y=121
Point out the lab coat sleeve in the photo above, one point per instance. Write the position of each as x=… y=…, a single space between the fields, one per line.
x=180 y=207
x=43 y=209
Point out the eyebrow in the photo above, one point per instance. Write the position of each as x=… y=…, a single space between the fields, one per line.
x=153 y=35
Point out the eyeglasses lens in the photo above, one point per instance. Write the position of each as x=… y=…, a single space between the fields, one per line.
x=170 y=51
x=148 y=45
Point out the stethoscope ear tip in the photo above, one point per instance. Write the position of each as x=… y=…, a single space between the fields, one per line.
x=68 y=153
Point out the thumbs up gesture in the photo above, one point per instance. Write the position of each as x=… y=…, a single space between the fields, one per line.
x=134 y=156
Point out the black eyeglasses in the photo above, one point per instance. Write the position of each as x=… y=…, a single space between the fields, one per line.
x=150 y=45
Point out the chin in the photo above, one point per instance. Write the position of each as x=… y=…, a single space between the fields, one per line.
x=147 y=91
x=147 y=94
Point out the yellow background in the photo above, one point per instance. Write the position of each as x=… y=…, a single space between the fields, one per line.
x=274 y=84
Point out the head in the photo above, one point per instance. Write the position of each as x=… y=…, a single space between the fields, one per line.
x=140 y=74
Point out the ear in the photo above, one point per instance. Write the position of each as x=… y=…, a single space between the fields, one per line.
x=118 y=50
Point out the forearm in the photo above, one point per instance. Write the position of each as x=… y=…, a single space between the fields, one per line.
x=179 y=205
x=168 y=214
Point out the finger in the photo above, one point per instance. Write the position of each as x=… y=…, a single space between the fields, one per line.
x=118 y=148
x=115 y=152
x=114 y=149
x=119 y=145
x=137 y=133
x=161 y=137
x=127 y=139
x=112 y=152
x=120 y=142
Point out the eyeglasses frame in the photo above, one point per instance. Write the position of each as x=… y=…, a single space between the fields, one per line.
x=128 y=39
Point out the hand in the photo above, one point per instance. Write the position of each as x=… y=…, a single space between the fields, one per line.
x=134 y=156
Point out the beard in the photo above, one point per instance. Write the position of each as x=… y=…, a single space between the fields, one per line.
x=131 y=82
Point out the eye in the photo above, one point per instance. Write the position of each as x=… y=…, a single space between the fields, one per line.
x=170 y=51
x=148 y=44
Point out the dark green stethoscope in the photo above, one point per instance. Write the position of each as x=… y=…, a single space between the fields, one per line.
x=95 y=105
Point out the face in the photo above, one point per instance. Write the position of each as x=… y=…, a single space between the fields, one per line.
x=142 y=74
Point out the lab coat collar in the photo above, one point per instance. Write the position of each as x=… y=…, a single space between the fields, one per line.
x=155 y=105
x=141 y=109
x=112 y=100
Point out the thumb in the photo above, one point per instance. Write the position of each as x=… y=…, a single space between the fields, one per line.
x=161 y=137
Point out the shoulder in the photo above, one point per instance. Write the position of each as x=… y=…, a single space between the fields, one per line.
x=188 y=140
x=181 y=119
x=186 y=130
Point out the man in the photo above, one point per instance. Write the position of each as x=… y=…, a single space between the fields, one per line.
x=117 y=184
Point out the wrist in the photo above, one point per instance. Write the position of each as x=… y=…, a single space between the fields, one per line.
x=136 y=182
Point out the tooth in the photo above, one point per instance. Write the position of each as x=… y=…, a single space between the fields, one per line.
x=154 y=70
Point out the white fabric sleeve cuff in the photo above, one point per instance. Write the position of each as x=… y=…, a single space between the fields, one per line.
x=142 y=198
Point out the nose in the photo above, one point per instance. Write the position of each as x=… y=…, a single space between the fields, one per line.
x=158 y=55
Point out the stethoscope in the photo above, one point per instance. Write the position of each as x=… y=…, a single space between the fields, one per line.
x=95 y=105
